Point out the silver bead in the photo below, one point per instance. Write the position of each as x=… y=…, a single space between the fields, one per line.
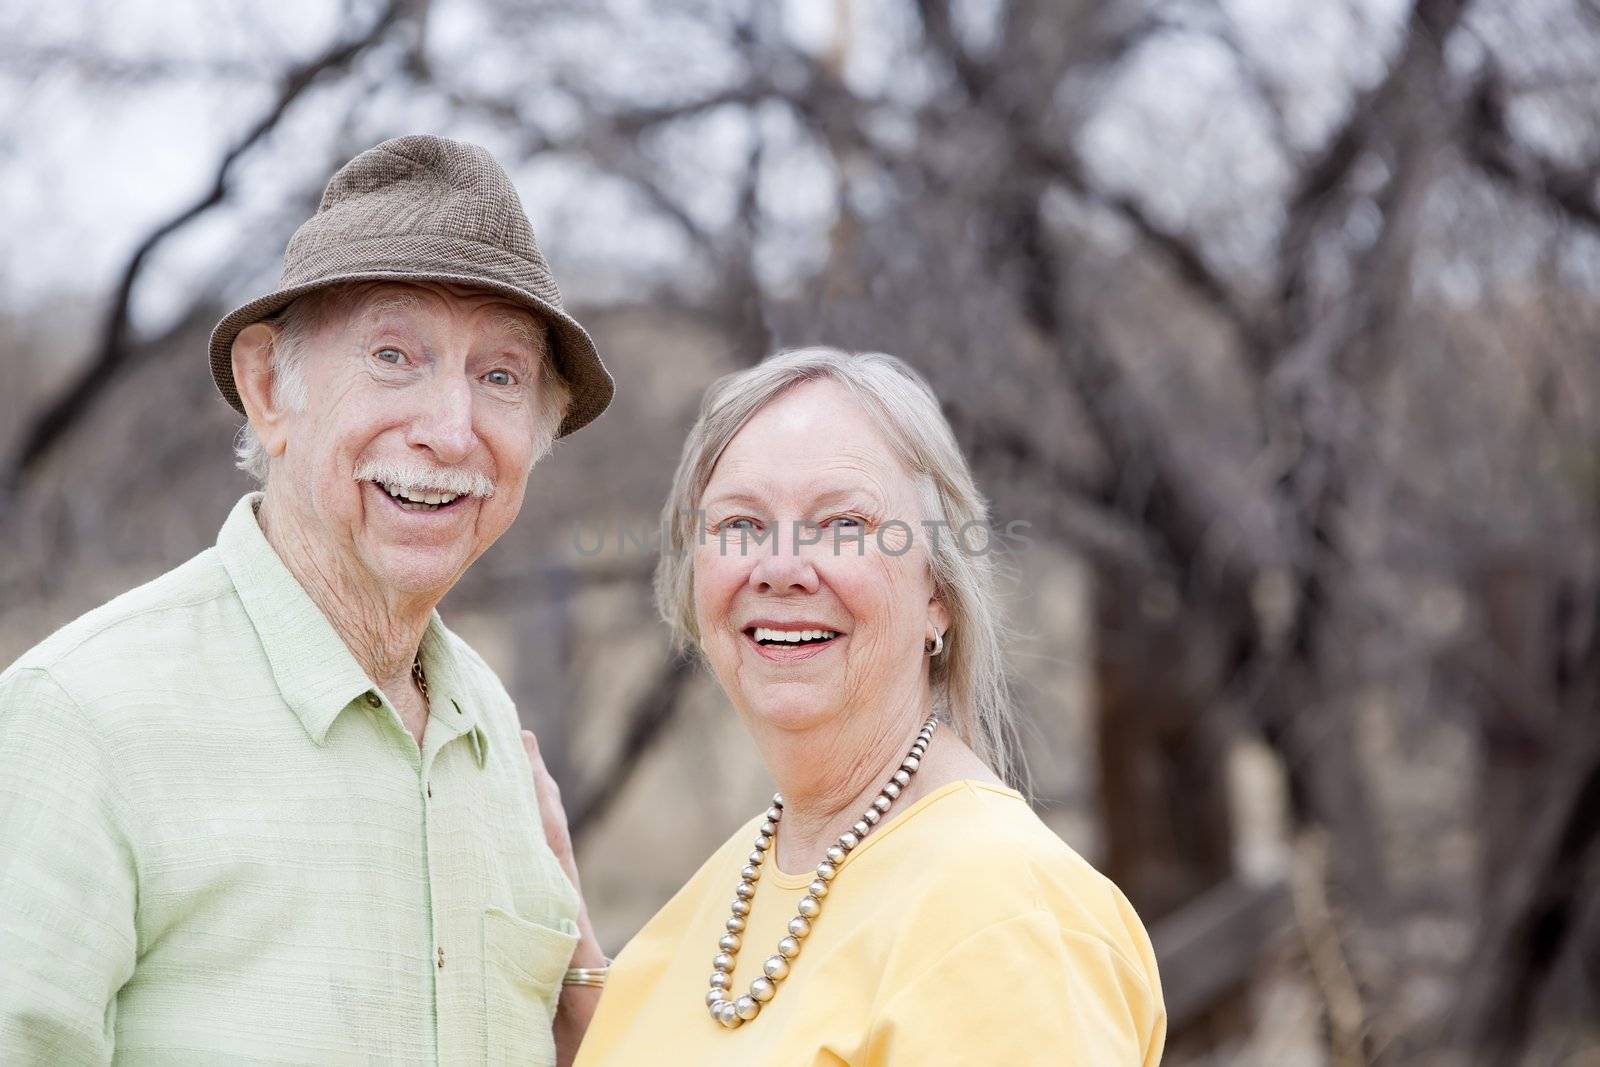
x=740 y=908
x=789 y=948
x=872 y=815
x=768 y=828
x=810 y=907
x=746 y=1008
x=881 y=804
x=777 y=800
x=775 y=968
x=756 y=858
x=919 y=750
x=744 y=890
x=835 y=854
x=712 y=996
x=902 y=778
x=735 y=924
x=727 y=1016
x=763 y=842
x=715 y=1006
x=799 y=926
x=911 y=763
x=818 y=888
x=722 y=961
x=826 y=871
x=750 y=872
x=774 y=814
x=891 y=791
x=860 y=828
x=849 y=840
x=763 y=989
x=730 y=942
x=721 y=980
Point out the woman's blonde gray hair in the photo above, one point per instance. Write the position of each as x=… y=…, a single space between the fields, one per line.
x=969 y=676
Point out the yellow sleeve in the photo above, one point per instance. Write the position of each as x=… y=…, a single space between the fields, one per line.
x=1023 y=992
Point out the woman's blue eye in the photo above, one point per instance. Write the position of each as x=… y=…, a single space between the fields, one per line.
x=739 y=524
x=392 y=355
x=499 y=377
x=844 y=520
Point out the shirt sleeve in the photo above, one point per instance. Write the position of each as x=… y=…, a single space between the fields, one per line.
x=1026 y=993
x=67 y=881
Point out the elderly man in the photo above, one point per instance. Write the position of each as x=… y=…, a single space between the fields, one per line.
x=266 y=807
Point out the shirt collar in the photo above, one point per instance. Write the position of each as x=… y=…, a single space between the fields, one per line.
x=316 y=674
x=449 y=706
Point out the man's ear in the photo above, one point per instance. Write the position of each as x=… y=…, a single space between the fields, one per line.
x=254 y=379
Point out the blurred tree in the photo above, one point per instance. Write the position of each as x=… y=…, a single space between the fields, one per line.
x=1283 y=317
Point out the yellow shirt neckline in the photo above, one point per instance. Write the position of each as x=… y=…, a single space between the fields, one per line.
x=895 y=821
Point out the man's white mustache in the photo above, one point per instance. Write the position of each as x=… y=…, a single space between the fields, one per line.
x=416 y=476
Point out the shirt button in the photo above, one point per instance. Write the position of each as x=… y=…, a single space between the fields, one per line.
x=374 y=700
x=441 y=957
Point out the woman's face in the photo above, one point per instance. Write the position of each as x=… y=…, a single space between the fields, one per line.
x=811 y=530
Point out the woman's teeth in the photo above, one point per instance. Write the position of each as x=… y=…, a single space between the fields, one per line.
x=765 y=636
x=419 y=496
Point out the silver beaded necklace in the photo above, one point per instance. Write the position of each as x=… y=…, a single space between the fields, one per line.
x=733 y=1012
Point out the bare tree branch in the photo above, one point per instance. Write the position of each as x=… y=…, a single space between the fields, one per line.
x=115 y=349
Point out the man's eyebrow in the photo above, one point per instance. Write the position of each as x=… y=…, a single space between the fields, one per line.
x=390 y=304
x=523 y=330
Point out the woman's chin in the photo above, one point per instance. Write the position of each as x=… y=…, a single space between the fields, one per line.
x=793 y=711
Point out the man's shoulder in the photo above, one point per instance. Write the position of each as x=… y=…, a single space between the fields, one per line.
x=164 y=614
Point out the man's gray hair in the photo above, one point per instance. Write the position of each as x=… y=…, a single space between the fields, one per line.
x=969 y=677
x=296 y=326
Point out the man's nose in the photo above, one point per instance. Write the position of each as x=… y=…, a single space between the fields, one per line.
x=443 y=423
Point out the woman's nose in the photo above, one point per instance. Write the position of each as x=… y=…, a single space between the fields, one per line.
x=783 y=568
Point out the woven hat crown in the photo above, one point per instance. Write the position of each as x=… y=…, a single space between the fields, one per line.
x=427 y=208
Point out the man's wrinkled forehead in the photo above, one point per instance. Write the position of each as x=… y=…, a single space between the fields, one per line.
x=374 y=304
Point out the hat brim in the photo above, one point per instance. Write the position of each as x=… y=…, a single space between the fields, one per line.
x=576 y=359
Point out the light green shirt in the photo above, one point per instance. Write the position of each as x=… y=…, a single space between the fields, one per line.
x=218 y=843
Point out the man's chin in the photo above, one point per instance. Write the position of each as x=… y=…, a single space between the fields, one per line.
x=412 y=571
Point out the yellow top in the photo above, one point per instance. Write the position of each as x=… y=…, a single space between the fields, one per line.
x=961 y=931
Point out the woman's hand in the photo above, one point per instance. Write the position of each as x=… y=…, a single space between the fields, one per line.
x=552 y=815
x=577 y=1003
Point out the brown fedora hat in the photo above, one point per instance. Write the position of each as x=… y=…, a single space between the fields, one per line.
x=426 y=209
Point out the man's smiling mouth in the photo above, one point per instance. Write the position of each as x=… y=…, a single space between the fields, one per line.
x=410 y=499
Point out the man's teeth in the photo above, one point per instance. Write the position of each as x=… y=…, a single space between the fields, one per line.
x=418 y=496
x=793 y=637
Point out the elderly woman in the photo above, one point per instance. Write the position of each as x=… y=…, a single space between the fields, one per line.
x=898 y=903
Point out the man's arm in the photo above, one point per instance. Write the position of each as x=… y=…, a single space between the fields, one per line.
x=577 y=1003
x=67 y=882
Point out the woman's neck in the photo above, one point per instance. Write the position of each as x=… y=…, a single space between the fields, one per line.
x=829 y=775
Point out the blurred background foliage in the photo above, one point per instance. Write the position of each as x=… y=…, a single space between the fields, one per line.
x=1276 y=321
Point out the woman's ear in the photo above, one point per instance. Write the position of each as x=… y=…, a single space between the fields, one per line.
x=938 y=614
x=254 y=378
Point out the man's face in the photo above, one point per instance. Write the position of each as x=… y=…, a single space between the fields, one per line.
x=420 y=426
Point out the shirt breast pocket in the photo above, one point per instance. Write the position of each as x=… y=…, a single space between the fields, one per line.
x=523 y=964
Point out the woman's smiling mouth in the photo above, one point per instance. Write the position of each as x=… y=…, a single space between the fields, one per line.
x=787 y=644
